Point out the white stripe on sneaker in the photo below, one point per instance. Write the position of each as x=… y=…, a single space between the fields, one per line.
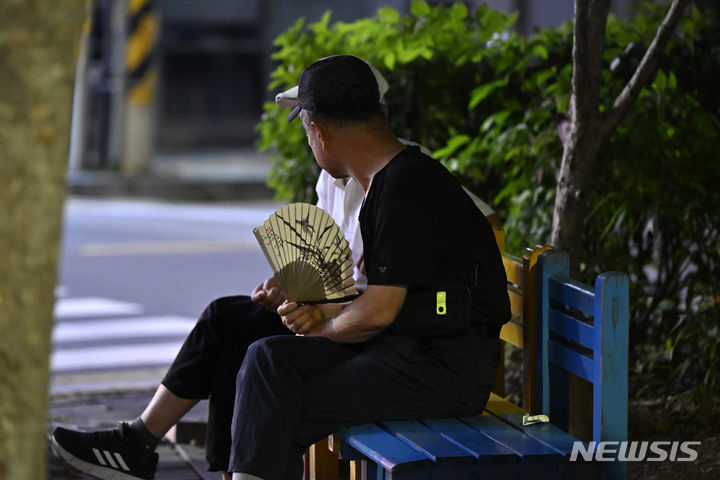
x=110 y=459
x=122 y=463
x=99 y=457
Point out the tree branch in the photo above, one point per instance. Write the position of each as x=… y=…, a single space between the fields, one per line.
x=647 y=67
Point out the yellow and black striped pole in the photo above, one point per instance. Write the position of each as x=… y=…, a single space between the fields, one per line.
x=140 y=50
x=141 y=80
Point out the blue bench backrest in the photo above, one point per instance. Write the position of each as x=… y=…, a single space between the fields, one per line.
x=584 y=331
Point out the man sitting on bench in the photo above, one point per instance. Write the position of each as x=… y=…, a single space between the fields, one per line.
x=421 y=341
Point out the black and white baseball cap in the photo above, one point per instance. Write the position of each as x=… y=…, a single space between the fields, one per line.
x=339 y=86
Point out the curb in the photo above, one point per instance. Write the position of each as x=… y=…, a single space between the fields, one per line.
x=84 y=183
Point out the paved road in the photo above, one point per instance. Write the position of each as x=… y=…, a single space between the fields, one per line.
x=134 y=277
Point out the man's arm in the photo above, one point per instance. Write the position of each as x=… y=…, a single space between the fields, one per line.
x=358 y=321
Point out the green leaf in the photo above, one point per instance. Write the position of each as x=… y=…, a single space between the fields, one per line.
x=389 y=60
x=496 y=119
x=322 y=24
x=458 y=12
x=515 y=151
x=542 y=76
x=419 y=8
x=482 y=92
x=452 y=145
x=541 y=51
x=617 y=217
x=660 y=81
x=388 y=15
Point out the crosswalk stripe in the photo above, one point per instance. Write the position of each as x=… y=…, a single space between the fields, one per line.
x=114 y=356
x=122 y=328
x=93 y=307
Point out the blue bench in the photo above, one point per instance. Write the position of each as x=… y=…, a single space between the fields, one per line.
x=580 y=330
x=575 y=345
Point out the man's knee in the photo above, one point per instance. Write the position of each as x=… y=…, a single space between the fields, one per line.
x=224 y=315
x=220 y=306
x=267 y=350
x=273 y=355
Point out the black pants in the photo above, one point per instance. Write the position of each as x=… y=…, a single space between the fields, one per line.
x=293 y=391
x=208 y=362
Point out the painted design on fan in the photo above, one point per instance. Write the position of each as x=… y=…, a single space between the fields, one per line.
x=308 y=253
x=305 y=225
x=275 y=239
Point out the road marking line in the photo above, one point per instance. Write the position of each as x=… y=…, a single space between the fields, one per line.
x=166 y=247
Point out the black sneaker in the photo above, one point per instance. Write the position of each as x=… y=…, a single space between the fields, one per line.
x=106 y=454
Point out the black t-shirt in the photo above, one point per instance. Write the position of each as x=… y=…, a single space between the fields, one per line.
x=420 y=229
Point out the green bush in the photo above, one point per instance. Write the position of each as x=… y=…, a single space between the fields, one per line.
x=489 y=102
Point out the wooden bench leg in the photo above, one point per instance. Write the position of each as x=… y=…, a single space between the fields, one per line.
x=365 y=470
x=323 y=463
x=356 y=470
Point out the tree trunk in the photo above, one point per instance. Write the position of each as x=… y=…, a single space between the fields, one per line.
x=38 y=40
x=574 y=178
x=583 y=143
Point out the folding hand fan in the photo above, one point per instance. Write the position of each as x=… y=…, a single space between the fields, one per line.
x=308 y=253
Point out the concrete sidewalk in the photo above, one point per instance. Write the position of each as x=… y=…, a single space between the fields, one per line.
x=184 y=460
x=212 y=174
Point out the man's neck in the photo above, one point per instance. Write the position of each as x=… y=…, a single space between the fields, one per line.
x=370 y=154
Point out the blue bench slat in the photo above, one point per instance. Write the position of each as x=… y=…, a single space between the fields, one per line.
x=570 y=360
x=547 y=433
x=423 y=438
x=467 y=438
x=509 y=437
x=380 y=446
x=572 y=329
x=571 y=293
